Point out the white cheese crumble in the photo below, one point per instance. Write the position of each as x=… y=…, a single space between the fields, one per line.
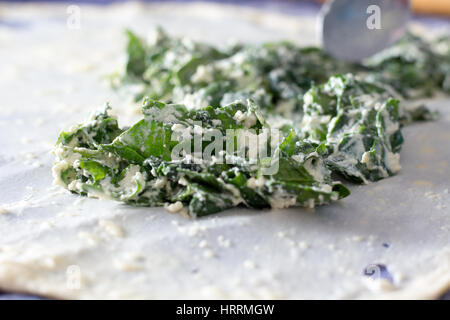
x=174 y=207
x=248 y=119
x=249 y=264
x=256 y=183
x=393 y=161
x=203 y=244
x=226 y=243
x=111 y=228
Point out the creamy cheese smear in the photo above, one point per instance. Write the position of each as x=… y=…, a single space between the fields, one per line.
x=58 y=244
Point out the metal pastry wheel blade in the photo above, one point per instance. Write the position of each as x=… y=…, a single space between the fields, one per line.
x=353 y=30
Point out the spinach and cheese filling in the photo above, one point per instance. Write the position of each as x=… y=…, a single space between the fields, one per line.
x=276 y=75
x=268 y=126
x=138 y=165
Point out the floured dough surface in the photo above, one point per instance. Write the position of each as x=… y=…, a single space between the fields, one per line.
x=57 y=244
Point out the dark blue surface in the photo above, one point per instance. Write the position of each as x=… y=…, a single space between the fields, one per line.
x=283 y=6
x=11 y=296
